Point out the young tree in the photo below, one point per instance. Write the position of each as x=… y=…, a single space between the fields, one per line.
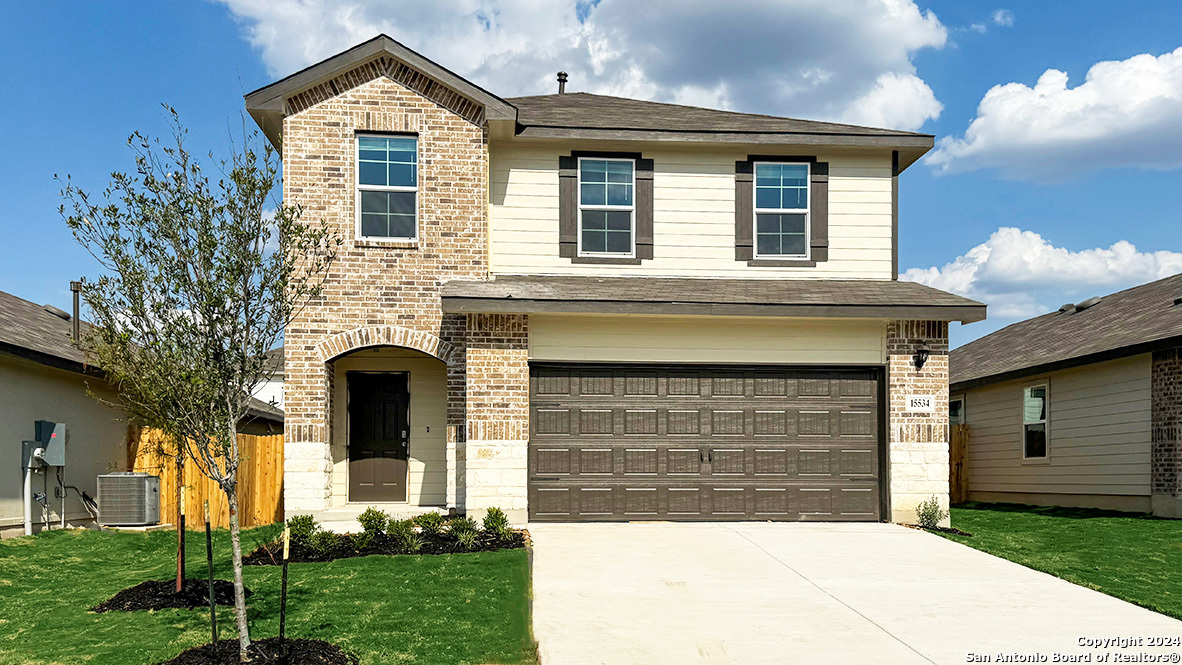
x=198 y=282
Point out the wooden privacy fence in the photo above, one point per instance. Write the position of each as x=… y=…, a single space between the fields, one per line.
x=260 y=481
x=958 y=466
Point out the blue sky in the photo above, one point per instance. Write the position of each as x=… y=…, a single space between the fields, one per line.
x=1057 y=169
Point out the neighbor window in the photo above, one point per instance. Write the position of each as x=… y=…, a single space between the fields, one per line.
x=607 y=208
x=956 y=411
x=781 y=209
x=387 y=187
x=1034 y=422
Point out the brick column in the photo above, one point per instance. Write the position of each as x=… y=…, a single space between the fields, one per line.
x=307 y=460
x=497 y=355
x=918 y=441
x=1166 y=427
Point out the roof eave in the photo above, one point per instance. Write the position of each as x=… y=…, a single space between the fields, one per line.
x=915 y=141
x=472 y=305
x=1068 y=363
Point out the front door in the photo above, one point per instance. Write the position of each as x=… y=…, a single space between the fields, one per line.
x=379 y=436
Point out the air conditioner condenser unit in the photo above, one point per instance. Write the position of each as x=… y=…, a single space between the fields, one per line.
x=128 y=499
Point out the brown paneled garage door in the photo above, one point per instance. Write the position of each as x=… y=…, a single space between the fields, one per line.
x=614 y=442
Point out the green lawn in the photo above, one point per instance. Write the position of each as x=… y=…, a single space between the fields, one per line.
x=461 y=608
x=1131 y=556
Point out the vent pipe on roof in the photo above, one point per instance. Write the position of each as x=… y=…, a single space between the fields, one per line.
x=1066 y=307
x=75 y=328
x=561 y=82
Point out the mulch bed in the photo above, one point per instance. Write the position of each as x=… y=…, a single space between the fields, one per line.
x=161 y=594
x=941 y=529
x=270 y=554
x=266 y=652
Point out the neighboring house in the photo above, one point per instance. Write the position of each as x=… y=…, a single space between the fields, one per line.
x=1080 y=407
x=579 y=307
x=271 y=390
x=43 y=376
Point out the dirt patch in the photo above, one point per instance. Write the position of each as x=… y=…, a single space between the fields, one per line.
x=161 y=594
x=940 y=529
x=266 y=652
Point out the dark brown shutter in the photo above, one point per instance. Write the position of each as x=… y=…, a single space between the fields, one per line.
x=568 y=206
x=644 y=208
x=819 y=191
x=744 y=211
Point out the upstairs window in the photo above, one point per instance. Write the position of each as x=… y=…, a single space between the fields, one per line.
x=781 y=210
x=387 y=187
x=607 y=207
x=1034 y=422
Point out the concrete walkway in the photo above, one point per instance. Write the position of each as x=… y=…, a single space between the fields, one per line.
x=805 y=593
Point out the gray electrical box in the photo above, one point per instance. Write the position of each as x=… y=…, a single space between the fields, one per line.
x=52 y=439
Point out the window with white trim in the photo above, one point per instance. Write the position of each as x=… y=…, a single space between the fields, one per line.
x=607 y=207
x=387 y=187
x=1034 y=422
x=781 y=210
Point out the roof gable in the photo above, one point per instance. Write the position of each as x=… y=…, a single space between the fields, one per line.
x=380 y=56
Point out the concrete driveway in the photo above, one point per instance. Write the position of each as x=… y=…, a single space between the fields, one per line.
x=806 y=593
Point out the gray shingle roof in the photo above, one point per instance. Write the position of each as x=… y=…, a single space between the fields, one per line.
x=1124 y=323
x=727 y=297
x=30 y=327
x=588 y=111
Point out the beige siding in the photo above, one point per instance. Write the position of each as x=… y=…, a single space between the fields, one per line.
x=693 y=216
x=96 y=440
x=427 y=483
x=1099 y=432
x=702 y=339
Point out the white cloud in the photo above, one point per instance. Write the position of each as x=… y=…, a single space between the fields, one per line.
x=810 y=58
x=1125 y=113
x=1003 y=17
x=1019 y=274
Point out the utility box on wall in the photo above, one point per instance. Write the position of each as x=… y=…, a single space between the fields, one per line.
x=128 y=499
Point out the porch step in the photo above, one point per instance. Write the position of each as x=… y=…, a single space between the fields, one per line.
x=343 y=519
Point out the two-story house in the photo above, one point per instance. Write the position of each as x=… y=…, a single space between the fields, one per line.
x=579 y=307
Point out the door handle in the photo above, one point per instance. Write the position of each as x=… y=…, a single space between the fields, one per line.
x=710 y=456
x=701 y=456
x=404 y=435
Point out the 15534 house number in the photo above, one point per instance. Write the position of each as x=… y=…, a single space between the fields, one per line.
x=921 y=403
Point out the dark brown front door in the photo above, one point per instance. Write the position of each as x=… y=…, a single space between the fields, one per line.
x=615 y=442
x=379 y=436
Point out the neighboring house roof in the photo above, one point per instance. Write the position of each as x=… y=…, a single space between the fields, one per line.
x=1130 y=322
x=580 y=115
x=724 y=297
x=275 y=362
x=34 y=332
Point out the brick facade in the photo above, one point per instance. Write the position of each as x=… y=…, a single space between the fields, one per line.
x=379 y=292
x=917 y=442
x=498 y=414
x=1166 y=428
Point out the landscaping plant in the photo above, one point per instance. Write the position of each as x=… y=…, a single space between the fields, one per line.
x=929 y=513
x=199 y=279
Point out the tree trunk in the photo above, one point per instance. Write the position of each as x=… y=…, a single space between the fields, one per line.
x=239 y=594
x=180 y=520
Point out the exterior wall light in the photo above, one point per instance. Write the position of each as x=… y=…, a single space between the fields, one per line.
x=921 y=357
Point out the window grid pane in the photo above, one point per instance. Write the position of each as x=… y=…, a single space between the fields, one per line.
x=606 y=199
x=607 y=232
x=388 y=214
x=781 y=187
x=387 y=161
x=780 y=234
x=605 y=183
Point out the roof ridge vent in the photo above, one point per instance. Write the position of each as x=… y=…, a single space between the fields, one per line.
x=1067 y=307
x=1090 y=302
x=59 y=313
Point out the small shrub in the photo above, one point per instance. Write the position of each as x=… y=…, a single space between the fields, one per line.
x=373 y=521
x=495 y=520
x=362 y=541
x=459 y=525
x=410 y=543
x=467 y=539
x=302 y=527
x=324 y=543
x=505 y=535
x=431 y=523
x=398 y=527
x=929 y=513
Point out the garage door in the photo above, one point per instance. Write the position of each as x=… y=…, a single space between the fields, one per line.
x=612 y=442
